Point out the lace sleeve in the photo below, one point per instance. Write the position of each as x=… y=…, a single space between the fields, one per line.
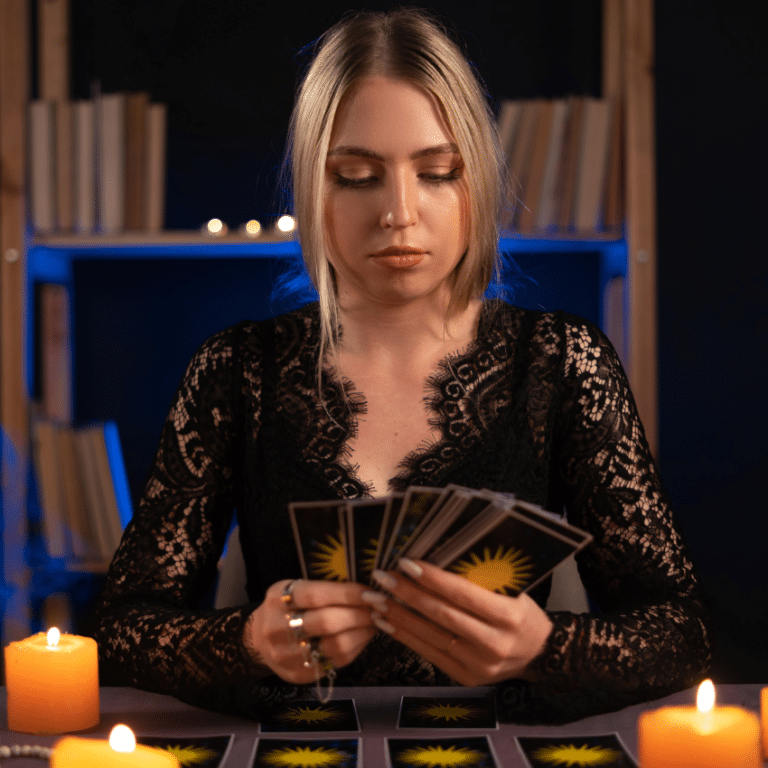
x=150 y=632
x=647 y=634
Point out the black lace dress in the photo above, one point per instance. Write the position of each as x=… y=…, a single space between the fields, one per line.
x=538 y=406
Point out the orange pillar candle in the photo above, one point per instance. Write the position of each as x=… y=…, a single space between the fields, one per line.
x=53 y=683
x=704 y=736
x=121 y=751
x=764 y=712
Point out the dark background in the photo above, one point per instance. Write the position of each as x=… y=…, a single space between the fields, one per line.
x=228 y=69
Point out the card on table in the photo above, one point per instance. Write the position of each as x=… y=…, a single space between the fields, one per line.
x=469 y=751
x=339 y=753
x=606 y=751
x=447 y=712
x=198 y=751
x=312 y=716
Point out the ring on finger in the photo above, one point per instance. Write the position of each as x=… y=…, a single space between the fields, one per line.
x=296 y=624
x=287 y=596
x=312 y=652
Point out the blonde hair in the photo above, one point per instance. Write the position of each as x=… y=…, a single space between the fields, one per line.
x=410 y=45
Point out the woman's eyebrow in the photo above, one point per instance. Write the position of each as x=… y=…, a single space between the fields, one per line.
x=439 y=149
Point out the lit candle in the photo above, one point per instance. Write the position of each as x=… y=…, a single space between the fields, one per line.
x=53 y=683
x=704 y=736
x=121 y=751
x=764 y=711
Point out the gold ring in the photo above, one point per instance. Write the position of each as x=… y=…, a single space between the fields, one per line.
x=287 y=596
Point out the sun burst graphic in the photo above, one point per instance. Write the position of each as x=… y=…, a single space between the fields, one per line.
x=311 y=714
x=446 y=711
x=504 y=571
x=441 y=757
x=368 y=561
x=329 y=560
x=571 y=755
x=190 y=755
x=305 y=757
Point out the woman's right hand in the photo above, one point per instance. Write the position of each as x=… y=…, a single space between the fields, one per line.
x=333 y=618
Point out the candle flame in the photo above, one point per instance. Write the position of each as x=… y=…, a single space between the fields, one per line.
x=286 y=224
x=53 y=637
x=121 y=739
x=705 y=698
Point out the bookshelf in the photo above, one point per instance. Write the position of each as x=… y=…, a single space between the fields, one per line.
x=630 y=322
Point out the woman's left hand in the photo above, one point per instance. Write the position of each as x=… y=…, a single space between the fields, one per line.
x=475 y=636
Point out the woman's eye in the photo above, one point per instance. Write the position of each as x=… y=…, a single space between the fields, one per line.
x=353 y=181
x=437 y=177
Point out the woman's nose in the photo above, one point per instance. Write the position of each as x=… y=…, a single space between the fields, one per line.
x=400 y=203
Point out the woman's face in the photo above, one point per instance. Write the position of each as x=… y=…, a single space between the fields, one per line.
x=395 y=198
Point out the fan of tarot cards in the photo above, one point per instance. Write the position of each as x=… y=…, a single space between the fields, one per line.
x=492 y=539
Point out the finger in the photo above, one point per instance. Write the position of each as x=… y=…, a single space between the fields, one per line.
x=318 y=622
x=437 y=609
x=490 y=607
x=312 y=593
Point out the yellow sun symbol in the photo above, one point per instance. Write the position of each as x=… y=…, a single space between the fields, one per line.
x=190 y=755
x=369 y=560
x=499 y=572
x=330 y=562
x=305 y=757
x=439 y=757
x=446 y=711
x=570 y=755
x=310 y=714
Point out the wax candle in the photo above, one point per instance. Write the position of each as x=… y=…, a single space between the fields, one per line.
x=764 y=712
x=704 y=736
x=121 y=751
x=53 y=683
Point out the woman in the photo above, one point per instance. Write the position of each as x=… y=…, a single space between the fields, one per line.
x=400 y=375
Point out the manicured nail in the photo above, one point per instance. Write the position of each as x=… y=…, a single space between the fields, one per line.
x=377 y=599
x=414 y=570
x=384 y=579
x=384 y=626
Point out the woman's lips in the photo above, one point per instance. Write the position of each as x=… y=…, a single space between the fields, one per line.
x=398 y=256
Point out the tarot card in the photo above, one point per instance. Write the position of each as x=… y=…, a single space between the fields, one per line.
x=607 y=751
x=340 y=753
x=312 y=715
x=318 y=529
x=203 y=751
x=552 y=521
x=474 y=751
x=394 y=502
x=447 y=712
x=460 y=520
x=508 y=554
x=415 y=507
x=365 y=520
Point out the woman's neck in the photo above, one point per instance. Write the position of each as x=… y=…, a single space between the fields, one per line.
x=406 y=332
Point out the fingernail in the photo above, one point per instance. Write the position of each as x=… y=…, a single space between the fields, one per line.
x=384 y=626
x=377 y=599
x=410 y=568
x=384 y=579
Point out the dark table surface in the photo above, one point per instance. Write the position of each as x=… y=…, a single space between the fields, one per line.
x=151 y=714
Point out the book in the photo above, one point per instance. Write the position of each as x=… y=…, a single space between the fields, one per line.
x=136 y=164
x=84 y=167
x=64 y=126
x=593 y=166
x=55 y=353
x=154 y=196
x=539 y=150
x=520 y=160
x=110 y=162
x=613 y=211
x=546 y=207
x=51 y=489
x=42 y=166
x=565 y=186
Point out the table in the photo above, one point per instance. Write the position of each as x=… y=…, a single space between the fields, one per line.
x=151 y=714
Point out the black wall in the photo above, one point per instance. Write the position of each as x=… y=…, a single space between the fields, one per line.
x=227 y=69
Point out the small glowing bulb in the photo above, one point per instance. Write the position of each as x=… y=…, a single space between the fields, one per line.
x=121 y=739
x=286 y=224
x=705 y=698
x=216 y=227
x=252 y=228
x=53 y=637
